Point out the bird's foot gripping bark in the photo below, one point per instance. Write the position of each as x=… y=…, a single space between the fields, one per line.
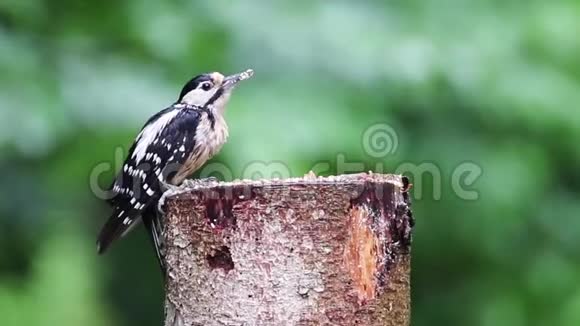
x=168 y=190
x=186 y=185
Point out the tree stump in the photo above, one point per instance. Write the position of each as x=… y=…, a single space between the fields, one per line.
x=303 y=251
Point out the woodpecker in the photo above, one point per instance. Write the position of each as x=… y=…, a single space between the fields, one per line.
x=172 y=145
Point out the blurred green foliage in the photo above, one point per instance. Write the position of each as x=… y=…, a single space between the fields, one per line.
x=495 y=83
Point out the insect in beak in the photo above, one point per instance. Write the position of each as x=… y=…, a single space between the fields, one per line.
x=232 y=80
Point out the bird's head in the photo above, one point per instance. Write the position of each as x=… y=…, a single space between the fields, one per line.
x=211 y=90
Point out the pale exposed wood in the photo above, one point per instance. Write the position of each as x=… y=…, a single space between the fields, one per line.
x=305 y=251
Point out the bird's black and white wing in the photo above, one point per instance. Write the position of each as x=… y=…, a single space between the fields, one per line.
x=162 y=146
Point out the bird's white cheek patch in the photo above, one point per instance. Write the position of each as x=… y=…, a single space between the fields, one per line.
x=199 y=97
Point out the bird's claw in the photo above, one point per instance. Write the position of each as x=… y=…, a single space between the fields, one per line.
x=169 y=189
x=161 y=203
x=168 y=186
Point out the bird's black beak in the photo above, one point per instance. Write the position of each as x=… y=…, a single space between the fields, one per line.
x=232 y=80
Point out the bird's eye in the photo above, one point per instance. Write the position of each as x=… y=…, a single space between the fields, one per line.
x=206 y=86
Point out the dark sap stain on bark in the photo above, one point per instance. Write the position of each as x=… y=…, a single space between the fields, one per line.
x=221 y=258
x=394 y=228
x=407 y=209
x=379 y=198
x=219 y=204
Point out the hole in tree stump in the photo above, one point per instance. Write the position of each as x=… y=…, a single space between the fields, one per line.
x=221 y=258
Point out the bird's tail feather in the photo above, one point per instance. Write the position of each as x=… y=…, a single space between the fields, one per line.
x=117 y=225
x=152 y=222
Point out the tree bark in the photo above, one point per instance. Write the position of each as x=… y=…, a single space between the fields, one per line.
x=303 y=251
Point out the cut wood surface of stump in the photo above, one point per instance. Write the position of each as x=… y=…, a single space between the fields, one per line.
x=303 y=251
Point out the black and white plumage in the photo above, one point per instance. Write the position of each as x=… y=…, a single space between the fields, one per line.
x=171 y=146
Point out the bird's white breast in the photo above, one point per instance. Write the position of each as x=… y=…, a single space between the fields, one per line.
x=208 y=142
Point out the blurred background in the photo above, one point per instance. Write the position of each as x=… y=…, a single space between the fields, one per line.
x=493 y=83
